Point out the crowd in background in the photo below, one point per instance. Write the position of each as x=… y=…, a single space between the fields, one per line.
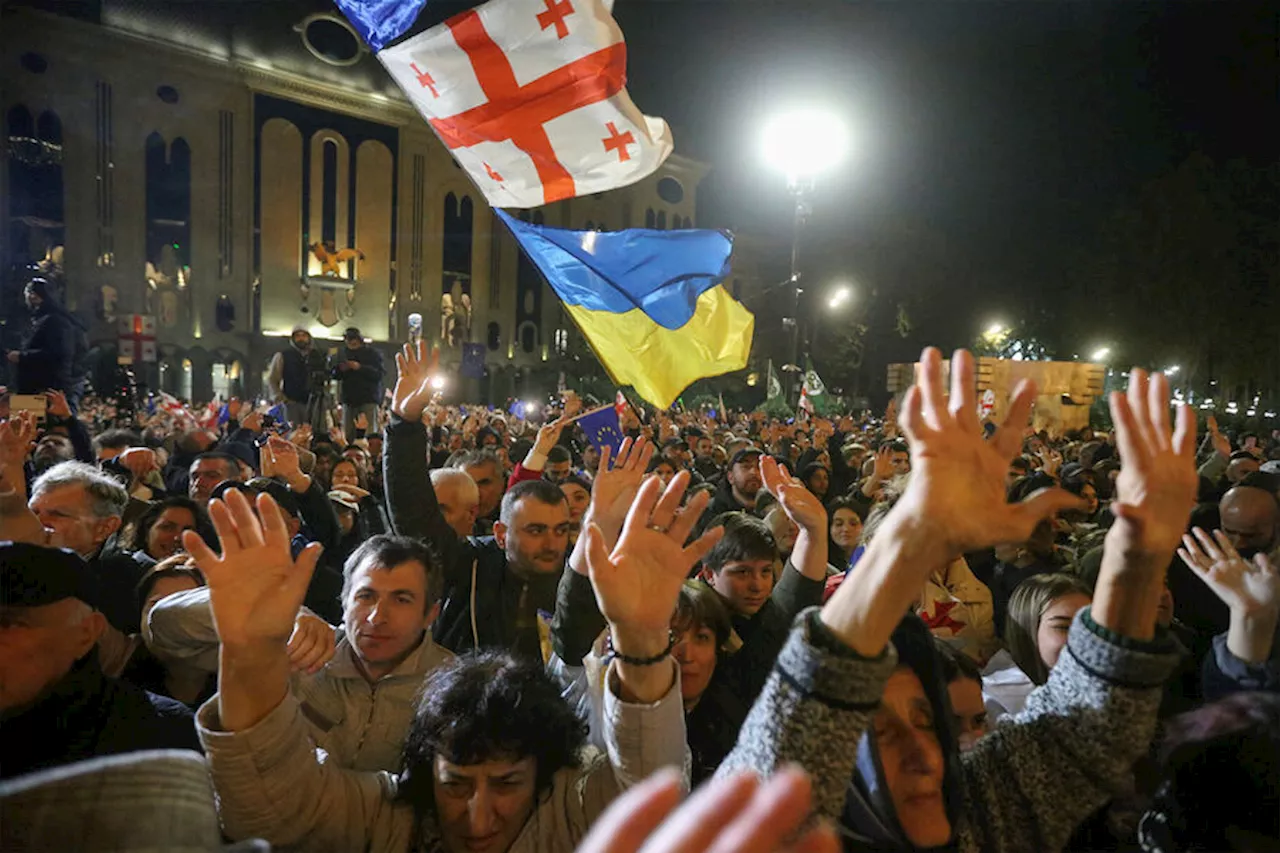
x=443 y=627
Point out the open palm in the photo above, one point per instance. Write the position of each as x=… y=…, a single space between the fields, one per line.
x=958 y=478
x=414 y=369
x=615 y=486
x=637 y=585
x=1248 y=588
x=255 y=585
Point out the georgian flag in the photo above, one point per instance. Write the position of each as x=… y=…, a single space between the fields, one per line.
x=528 y=95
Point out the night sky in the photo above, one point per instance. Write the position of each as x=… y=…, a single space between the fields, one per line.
x=1005 y=128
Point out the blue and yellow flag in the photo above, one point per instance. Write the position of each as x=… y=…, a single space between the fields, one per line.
x=649 y=302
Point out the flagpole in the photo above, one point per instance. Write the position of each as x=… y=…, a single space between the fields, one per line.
x=585 y=414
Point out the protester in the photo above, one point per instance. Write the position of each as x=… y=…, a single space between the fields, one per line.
x=358 y=369
x=486 y=717
x=48 y=357
x=861 y=713
x=157 y=534
x=56 y=705
x=297 y=377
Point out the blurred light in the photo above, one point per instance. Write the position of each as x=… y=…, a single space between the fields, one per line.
x=1269 y=414
x=1100 y=354
x=804 y=143
x=530 y=408
x=438 y=381
x=995 y=330
x=1172 y=371
x=841 y=295
x=1251 y=412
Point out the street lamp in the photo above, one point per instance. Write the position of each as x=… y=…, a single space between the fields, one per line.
x=1100 y=354
x=1172 y=370
x=839 y=297
x=801 y=145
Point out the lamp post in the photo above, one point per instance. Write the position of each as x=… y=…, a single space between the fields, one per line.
x=802 y=145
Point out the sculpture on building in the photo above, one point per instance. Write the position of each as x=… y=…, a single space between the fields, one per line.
x=330 y=259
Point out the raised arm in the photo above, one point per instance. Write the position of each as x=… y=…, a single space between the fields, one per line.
x=577 y=620
x=830 y=676
x=809 y=556
x=411 y=499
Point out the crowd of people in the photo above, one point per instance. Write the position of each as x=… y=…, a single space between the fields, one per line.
x=440 y=627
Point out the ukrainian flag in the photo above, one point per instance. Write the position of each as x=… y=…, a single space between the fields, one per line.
x=649 y=302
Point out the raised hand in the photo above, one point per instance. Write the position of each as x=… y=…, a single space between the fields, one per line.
x=638 y=583
x=312 y=644
x=737 y=813
x=17 y=436
x=1247 y=588
x=1156 y=488
x=801 y=505
x=957 y=478
x=255 y=585
x=883 y=469
x=56 y=404
x=549 y=434
x=280 y=459
x=139 y=461
x=414 y=371
x=252 y=421
x=1220 y=442
x=615 y=487
x=362 y=422
x=301 y=437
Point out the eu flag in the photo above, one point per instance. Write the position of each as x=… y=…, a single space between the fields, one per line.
x=602 y=429
x=650 y=302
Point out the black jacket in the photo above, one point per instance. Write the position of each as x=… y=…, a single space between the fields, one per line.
x=359 y=387
x=303 y=374
x=506 y=605
x=48 y=353
x=86 y=715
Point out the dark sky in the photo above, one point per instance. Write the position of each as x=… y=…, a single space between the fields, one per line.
x=1004 y=126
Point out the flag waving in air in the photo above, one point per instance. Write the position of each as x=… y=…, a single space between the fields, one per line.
x=528 y=95
x=649 y=302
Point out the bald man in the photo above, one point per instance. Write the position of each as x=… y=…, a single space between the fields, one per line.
x=1250 y=519
x=459 y=498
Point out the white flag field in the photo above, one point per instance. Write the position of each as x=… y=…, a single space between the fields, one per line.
x=530 y=97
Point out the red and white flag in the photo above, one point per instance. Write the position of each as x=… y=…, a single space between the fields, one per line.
x=806 y=405
x=620 y=402
x=530 y=97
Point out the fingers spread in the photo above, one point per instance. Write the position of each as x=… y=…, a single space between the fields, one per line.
x=1008 y=438
x=635 y=815
x=930 y=384
x=912 y=418
x=702 y=546
x=696 y=825
x=1158 y=409
x=964 y=404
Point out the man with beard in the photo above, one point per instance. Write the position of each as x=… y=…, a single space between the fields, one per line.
x=297 y=377
x=741 y=484
x=494 y=586
x=47 y=358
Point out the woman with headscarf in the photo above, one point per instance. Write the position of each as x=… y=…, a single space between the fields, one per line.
x=857 y=697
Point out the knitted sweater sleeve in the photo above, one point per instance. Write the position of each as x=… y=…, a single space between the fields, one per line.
x=1041 y=772
x=814 y=708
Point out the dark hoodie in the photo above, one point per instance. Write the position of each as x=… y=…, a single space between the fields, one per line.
x=869 y=822
x=48 y=353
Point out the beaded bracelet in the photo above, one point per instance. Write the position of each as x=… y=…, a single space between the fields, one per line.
x=630 y=661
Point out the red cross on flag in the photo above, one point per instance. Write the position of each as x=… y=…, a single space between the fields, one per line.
x=137 y=337
x=530 y=97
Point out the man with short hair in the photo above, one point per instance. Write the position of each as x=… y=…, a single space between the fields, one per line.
x=113 y=442
x=704 y=462
x=493 y=586
x=360 y=703
x=56 y=706
x=208 y=470
x=83 y=507
x=559 y=464
x=742 y=568
x=358 y=369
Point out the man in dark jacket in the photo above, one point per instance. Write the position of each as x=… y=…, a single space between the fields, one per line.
x=46 y=360
x=494 y=586
x=56 y=706
x=297 y=377
x=358 y=367
x=737 y=493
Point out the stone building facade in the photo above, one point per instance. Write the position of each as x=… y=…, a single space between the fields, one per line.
x=208 y=164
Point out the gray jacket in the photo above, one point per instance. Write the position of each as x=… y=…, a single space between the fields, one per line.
x=360 y=726
x=271 y=785
x=1027 y=785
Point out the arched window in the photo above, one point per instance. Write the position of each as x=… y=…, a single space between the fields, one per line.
x=493 y=337
x=456 y=269
x=168 y=212
x=649 y=219
x=662 y=220
x=35 y=183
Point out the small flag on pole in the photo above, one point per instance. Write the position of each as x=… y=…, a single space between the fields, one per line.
x=602 y=428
